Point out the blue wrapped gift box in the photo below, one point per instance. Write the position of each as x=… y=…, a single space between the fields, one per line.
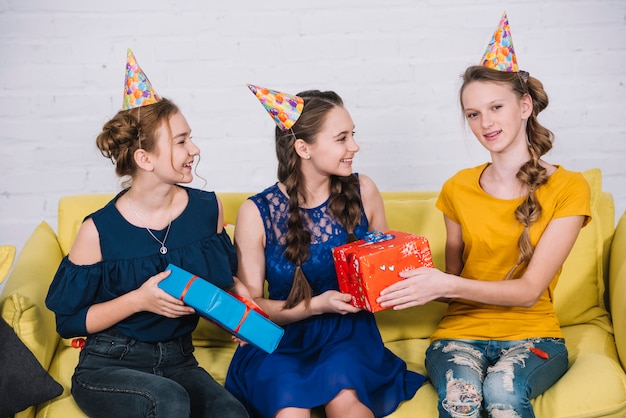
x=224 y=309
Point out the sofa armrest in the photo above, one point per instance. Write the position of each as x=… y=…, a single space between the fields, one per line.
x=22 y=303
x=617 y=287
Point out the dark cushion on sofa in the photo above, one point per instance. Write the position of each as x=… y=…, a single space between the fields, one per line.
x=23 y=381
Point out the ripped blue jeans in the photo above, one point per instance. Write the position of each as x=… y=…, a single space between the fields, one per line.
x=499 y=377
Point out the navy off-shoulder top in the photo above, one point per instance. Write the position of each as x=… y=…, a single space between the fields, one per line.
x=130 y=256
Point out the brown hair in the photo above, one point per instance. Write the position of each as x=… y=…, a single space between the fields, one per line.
x=130 y=130
x=344 y=202
x=539 y=138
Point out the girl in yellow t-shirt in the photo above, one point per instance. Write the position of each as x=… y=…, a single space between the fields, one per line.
x=510 y=225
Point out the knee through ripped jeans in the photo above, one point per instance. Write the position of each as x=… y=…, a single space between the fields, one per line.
x=496 y=377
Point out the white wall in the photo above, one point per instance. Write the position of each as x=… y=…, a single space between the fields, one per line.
x=395 y=62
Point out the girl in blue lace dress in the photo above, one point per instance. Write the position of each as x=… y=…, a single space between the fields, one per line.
x=138 y=359
x=331 y=354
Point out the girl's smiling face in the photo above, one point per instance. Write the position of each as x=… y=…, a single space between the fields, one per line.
x=496 y=115
x=175 y=151
x=334 y=147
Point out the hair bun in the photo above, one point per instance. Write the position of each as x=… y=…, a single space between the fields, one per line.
x=117 y=135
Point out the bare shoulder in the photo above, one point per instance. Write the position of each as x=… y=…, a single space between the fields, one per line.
x=369 y=190
x=86 y=247
x=249 y=229
x=249 y=222
x=248 y=211
x=373 y=204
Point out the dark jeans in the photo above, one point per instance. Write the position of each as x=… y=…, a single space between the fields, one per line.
x=118 y=376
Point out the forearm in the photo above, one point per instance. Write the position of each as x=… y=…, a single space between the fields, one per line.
x=239 y=288
x=275 y=309
x=423 y=285
x=520 y=292
x=549 y=255
x=104 y=315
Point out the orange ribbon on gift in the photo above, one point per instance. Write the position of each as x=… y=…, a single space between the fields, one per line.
x=249 y=305
x=247 y=302
x=184 y=293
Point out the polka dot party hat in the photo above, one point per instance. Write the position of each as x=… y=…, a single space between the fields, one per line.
x=137 y=88
x=500 y=54
x=285 y=109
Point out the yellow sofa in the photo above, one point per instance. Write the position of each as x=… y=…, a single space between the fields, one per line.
x=594 y=386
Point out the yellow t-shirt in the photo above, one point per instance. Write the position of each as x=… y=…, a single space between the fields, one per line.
x=490 y=233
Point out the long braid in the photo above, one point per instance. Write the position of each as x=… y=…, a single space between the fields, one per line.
x=297 y=239
x=528 y=212
x=344 y=201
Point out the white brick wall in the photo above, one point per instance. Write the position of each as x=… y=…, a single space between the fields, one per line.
x=396 y=63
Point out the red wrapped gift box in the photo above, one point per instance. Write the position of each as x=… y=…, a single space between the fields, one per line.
x=367 y=266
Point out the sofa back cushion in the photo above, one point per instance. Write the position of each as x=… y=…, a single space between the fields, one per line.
x=617 y=289
x=419 y=217
x=579 y=294
x=72 y=212
x=414 y=213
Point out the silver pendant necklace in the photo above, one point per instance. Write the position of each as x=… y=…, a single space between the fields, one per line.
x=163 y=249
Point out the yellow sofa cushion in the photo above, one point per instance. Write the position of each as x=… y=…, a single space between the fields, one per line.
x=419 y=217
x=23 y=306
x=72 y=212
x=7 y=255
x=61 y=369
x=617 y=289
x=579 y=294
x=207 y=334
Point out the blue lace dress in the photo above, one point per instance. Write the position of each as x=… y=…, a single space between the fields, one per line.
x=321 y=355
